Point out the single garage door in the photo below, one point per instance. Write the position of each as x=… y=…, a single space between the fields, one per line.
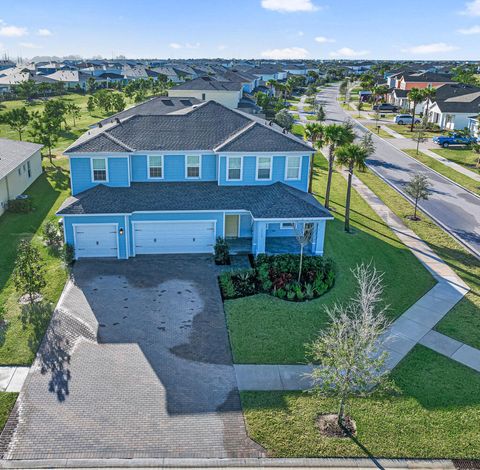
x=95 y=241
x=174 y=237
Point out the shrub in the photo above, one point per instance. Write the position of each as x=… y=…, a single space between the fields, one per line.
x=222 y=254
x=20 y=206
x=68 y=254
x=227 y=286
x=52 y=234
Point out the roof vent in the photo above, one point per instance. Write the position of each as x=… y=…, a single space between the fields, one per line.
x=284 y=131
x=117 y=120
x=100 y=124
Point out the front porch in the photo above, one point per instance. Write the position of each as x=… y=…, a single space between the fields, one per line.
x=273 y=246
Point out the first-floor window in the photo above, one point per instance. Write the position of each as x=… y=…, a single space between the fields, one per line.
x=287 y=225
x=29 y=169
x=264 y=168
x=293 y=168
x=99 y=166
x=193 y=166
x=234 y=170
x=155 y=166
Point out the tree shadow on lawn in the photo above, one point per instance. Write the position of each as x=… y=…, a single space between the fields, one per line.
x=15 y=227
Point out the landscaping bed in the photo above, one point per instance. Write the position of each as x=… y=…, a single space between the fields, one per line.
x=265 y=329
x=433 y=414
x=280 y=276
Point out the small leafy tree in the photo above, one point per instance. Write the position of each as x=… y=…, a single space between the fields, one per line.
x=348 y=353
x=419 y=137
x=51 y=234
x=320 y=115
x=103 y=99
x=45 y=131
x=74 y=111
x=359 y=108
x=418 y=188
x=284 y=119
x=118 y=102
x=29 y=271
x=91 y=104
x=17 y=119
x=304 y=236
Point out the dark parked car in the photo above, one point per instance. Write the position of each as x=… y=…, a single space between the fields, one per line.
x=385 y=107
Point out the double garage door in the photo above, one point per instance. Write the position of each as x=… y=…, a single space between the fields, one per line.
x=173 y=237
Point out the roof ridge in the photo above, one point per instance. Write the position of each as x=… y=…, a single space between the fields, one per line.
x=235 y=135
x=118 y=141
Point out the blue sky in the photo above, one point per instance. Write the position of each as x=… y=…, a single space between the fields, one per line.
x=297 y=29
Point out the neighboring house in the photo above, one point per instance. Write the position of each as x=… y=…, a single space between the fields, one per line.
x=174 y=183
x=208 y=88
x=474 y=125
x=398 y=97
x=20 y=166
x=6 y=64
x=70 y=78
x=156 y=106
x=295 y=69
x=7 y=82
x=168 y=72
x=423 y=80
x=266 y=72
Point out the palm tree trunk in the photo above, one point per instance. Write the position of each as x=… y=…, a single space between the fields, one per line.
x=347 y=202
x=413 y=116
x=330 y=174
x=301 y=262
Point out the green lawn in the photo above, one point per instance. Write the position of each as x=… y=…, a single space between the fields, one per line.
x=454 y=175
x=381 y=133
x=264 y=329
x=7 y=401
x=434 y=414
x=293 y=108
x=463 y=156
x=463 y=321
x=405 y=131
x=19 y=342
x=296 y=117
x=311 y=118
x=298 y=130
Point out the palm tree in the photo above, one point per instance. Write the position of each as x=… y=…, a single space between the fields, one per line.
x=415 y=96
x=314 y=133
x=272 y=84
x=334 y=135
x=351 y=156
x=428 y=94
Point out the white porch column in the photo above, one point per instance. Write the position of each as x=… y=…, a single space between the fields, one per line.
x=259 y=236
x=319 y=238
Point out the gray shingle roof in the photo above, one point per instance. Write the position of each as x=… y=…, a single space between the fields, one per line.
x=157 y=106
x=14 y=153
x=208 y=83
x=203 y=128
x=264 y=201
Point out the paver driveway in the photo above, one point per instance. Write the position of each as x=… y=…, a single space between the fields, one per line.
x=136 y=363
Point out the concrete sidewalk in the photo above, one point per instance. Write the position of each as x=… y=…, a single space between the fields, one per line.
x=12 y=378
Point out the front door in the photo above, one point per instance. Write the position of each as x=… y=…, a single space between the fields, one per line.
x=231 y=226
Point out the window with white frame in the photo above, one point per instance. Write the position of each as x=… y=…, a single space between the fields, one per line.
x=234 y=168
x=193 y=166
x=264 y=168
x=99 y=169
x=155 y=166
x=293 y=168
x=287 y=225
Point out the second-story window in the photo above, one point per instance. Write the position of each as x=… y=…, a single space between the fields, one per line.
x=193 y=166
x=293 y=168
x=155 y=166
x=234 y=168
x=264 y=168
x=99 y=169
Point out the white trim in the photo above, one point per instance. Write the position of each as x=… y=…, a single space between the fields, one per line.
x=200 y=161
x=296 y=219
x=299 y=169
x=282 y=226
x=154 y=178
x=127 y=237
x=227 y=167
x=105 y=159
x=129 y=171
x=257 y=157
x=115 y=224
x=134 y=222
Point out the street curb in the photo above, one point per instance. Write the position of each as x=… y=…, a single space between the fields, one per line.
x=231 y=463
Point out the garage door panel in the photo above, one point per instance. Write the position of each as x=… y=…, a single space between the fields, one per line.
x=174 y=237
x=96 y=241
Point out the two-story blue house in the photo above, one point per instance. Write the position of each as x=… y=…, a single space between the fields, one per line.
x=152 y=184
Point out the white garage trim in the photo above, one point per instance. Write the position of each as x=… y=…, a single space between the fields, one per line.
x=135 y=222
x=112 y=224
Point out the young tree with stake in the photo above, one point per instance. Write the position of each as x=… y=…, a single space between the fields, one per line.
x=418 y=188
x=304 y=237
x=351 y=362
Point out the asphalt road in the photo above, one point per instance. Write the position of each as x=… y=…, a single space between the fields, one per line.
x=453 y=207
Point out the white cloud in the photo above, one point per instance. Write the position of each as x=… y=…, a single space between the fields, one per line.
x=286 y=53
x=187 y=45
x=301 y=33
x=472 y=30
x=288 y=6
x=44 y=32
x=348 y=52
x=30 y=45
x=12 y=31
x=472 y=8
x=222 y=47
x=433 y=48
x=323 y=39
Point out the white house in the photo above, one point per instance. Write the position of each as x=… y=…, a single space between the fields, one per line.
x=20 y=166
x=454 y=112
